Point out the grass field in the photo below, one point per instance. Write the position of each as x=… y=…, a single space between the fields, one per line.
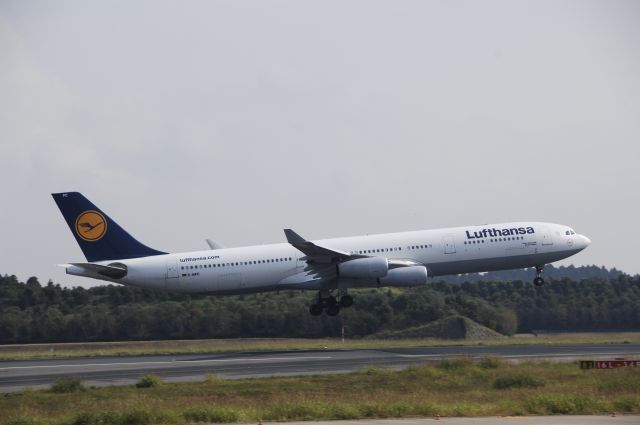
x=449 y=388
x=42 y=351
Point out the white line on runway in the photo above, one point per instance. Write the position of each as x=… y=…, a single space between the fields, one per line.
x=509 y=356
x=256 y=359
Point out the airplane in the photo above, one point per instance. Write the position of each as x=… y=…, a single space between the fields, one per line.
x=329 y=266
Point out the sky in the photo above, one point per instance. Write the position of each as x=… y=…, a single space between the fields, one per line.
x=231 y=120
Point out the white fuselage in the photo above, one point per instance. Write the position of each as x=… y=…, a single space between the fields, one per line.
x=281 y=266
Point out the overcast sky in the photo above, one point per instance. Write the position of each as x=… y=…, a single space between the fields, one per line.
x=186 y=120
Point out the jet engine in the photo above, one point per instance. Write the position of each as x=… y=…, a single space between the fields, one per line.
x=364 y=268
x=405 y=276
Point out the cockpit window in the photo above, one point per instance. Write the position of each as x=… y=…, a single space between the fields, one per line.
x=569 y=232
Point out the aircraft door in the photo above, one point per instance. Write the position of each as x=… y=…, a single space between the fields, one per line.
x=449 y=244
x=172 y=268
x=546 y=237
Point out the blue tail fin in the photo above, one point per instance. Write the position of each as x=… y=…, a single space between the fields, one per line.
x=99 y=237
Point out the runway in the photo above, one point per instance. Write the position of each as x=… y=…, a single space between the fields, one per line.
x=102 y=371
x=493 y=420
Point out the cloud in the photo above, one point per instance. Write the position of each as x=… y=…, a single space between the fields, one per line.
x=232 y=120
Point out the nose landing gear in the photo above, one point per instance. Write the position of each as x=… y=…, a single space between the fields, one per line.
x=539 y=281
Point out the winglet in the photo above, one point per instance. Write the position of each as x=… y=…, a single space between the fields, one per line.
x=312 y=250
x=213 y=244
x=293 y=238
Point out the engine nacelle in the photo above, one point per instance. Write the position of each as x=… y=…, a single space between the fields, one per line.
x=405 y=276
x=364 y=268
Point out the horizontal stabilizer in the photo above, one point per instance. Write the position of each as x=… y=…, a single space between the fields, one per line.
x=83 y=269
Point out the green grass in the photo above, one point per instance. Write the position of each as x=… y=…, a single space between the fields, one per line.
x=149 y=381
x=96 y=349
x=519 y=380
x=67 y=384
x=449 y=388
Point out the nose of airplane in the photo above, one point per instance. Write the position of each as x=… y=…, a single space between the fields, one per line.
x=584 y=241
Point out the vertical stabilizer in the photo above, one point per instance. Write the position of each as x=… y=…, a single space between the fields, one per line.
x=99 y=237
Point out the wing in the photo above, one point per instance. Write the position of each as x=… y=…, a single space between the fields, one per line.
x=321 y=262
x=320 y=254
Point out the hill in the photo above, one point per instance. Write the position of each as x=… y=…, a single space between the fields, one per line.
x=451 y=327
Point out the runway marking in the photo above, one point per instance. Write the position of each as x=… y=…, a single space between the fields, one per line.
x=509 y=356
x=165 y=362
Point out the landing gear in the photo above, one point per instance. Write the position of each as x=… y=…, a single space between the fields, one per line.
x=346 y=301
x=330 y=304
x=327 y=303
x=315 y=309
x=333 y=309
x=539 y=281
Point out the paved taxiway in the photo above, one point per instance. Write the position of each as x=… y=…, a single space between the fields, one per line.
x=100 y=371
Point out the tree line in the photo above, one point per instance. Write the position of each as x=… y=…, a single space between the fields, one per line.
x=31 y=312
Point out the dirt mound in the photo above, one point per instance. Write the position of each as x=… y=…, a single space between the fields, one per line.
x=452 y=327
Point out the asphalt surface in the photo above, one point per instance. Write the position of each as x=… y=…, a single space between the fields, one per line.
x=494 y=420
x=102 y=371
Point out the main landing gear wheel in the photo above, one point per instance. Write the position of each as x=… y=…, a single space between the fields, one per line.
x=330 y=304
x=333 y=309
x=315 y=309
x=539 y=281
x=346 y=301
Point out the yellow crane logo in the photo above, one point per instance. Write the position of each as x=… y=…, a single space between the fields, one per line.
x=91 y=226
